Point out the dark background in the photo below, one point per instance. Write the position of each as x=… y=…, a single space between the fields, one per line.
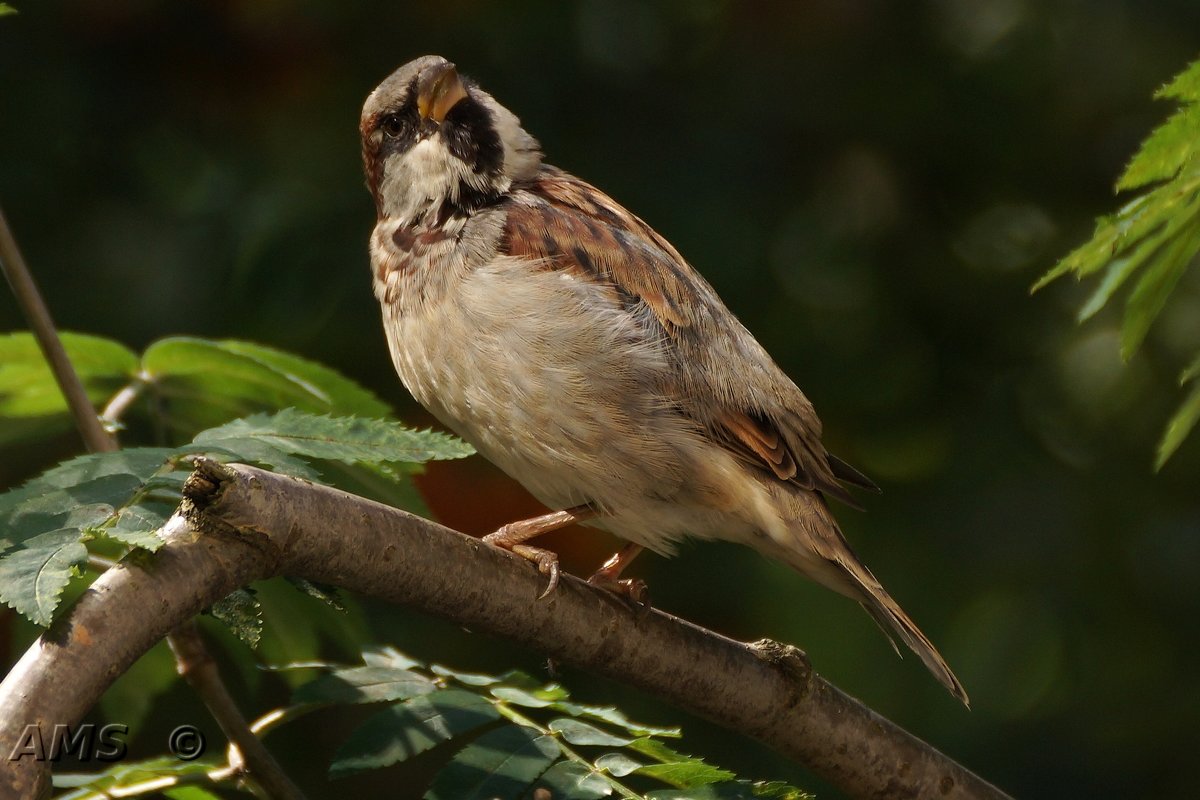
x=872 y=187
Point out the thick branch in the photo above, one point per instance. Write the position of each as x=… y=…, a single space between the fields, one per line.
x=97 y=440
x=243 y=524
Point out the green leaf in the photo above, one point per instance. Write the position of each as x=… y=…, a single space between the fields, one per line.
x=389 y=657
x=348 y=439
x=501 y=763
x=570 y=780
x=93 y=786
x=1166 y=151
x=326 y=594
x=778 y=790
x=618 y=764
x=364 y=685
x=468 y=678
x=1178 y=428
x=6 y=9
x=52 y=513
x=740 y=790
x=411 y=727
x=343 y=396
x=138 y=525
x=242 y=614
x=1153 y=239
x=1154 y=287
x=677 y=769
x=614 y=716
x=201 y=384
x=520 y=697
x=82 y=492
x=1185 y=86
x=33 y=576
x=581 y=733
x=32 y=405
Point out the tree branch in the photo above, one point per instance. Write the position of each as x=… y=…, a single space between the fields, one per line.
x=239 y=524
x=98 y=440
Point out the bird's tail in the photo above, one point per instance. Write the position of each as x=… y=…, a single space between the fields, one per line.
x=815 y=546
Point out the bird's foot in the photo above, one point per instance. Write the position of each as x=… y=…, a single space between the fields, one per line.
x=632 y=590
x=546 y=560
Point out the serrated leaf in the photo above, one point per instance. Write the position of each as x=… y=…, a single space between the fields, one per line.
x=33 y=575
x=31 y=404
x=242 y=614
x=201 y=384
x=82 y=493
x=1184 y=86
x=1154 y=287
x=255 y=452
x=93 y=786
x=326 y=594
x=618 y=764
x=570 y=780
x=581 y=733
x=1181 y=424
x=411 y=727
x=348 y=439
x=778 y=790
x=501 y=763
x=298 y=628
x=686 y=774
x=614 y=716
x=389 y=657
x=740 y=790
x=138 y=525
x=520 y=697
x=1167 y=150
x=677 y=769
x=344 y=396
x=364 y=685
x=468 y=678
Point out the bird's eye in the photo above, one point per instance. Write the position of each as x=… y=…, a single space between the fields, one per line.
x=392 y=125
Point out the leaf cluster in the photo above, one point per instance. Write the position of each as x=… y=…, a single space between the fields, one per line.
x=1151 y=241
x=114 y=501
x=512 y=737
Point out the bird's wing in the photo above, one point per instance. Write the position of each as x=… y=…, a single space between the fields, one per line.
x=733 y=389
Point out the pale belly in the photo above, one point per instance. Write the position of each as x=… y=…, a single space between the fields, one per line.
x=562 y=390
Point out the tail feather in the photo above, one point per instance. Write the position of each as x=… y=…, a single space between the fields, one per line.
x=814 y=545
x=884 y=610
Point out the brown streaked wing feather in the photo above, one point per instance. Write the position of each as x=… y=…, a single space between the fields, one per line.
x=569 y=225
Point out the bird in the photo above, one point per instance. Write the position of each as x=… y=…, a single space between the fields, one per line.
x=578 y=351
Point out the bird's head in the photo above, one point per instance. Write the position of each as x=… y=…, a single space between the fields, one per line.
x=434 y=142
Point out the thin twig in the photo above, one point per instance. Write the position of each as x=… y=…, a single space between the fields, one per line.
x=38 y=316
x=110 y=417
x=200 y=671
x=212 y=691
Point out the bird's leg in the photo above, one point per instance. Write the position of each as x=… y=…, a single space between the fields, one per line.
x=511 y=537
x=609 y=576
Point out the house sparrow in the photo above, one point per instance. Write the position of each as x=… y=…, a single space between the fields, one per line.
x=576 y=349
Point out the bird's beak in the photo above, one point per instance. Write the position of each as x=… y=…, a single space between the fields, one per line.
x=438 y=90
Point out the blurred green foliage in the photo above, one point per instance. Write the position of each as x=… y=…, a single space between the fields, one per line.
x=871 y=186
x=1155 y=236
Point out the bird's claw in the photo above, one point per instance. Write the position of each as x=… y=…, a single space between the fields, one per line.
x=547 y=564
x=632 y=590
